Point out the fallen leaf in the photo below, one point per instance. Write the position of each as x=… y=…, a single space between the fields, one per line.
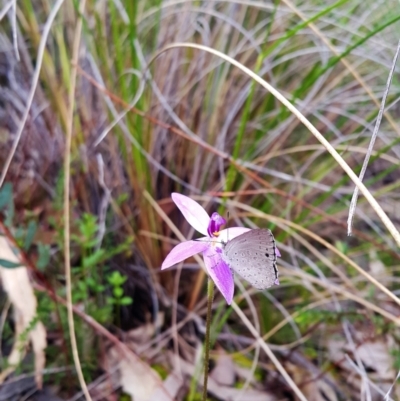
x=19 y=289
x=224 y=370
x=135 y=376
x=376 y=356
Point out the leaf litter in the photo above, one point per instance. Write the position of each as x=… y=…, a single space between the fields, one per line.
x=28 y=329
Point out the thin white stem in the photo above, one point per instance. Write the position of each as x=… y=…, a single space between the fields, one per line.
x=67 y=162
x=14 y=28
x=353 y=203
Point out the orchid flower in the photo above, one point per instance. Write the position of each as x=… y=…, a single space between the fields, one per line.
x=210 y=246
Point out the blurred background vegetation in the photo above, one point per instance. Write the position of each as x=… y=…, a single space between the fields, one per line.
x=190 y=122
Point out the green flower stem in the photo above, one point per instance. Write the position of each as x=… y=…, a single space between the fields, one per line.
x=210 y=298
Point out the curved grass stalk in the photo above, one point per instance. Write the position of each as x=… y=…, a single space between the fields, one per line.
x=363 y=189
x=267 y=188
x=67 y=162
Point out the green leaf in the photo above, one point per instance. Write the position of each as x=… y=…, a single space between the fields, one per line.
x=94 y=285
x=93 y=259
x=82 y=286
x=78 y=296
x=90 y=243
x=116 y=279
x=44 y=256
x=84 y=242
x=88 y=226
x=126 y=301
x=5 y=195
x=8 y=264
x=30 y=233
x=342 y=246
x=91 y=282
x=122 y=198
x=118 y=292
x=9 y=214
x=126 y=245
x=19 y=234
x=102 y=315
x=99 y=288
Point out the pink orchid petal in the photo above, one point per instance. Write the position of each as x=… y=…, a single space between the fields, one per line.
x=220 y=273
x=231 y=232
x=183 y=251
x=277 y=252
x=195 y=214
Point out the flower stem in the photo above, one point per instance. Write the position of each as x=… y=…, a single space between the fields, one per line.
x=210 y=298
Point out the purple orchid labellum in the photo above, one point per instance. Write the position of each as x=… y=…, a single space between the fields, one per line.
x=210 y=246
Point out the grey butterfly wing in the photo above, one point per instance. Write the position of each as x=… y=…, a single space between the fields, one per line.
x=252 y=256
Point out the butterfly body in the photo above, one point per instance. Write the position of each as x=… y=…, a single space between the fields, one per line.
x=252 y=256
